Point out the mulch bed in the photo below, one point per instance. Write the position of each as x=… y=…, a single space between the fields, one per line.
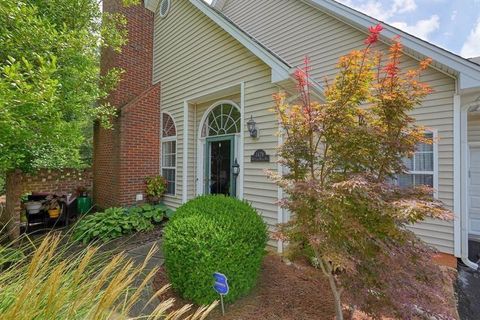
x=287 y=292
x=284 y=291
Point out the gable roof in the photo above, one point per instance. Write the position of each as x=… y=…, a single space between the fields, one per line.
x=281 y=70
x=467 y=71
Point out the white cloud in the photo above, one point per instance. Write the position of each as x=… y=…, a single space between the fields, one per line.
x=471 y=48
x=404 y=6
x=421 y=29
x=376 y=9
x=454 y=15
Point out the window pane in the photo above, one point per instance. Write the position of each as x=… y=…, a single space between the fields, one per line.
x=169 y=175
x=424 y=162
x=405 y=180
x=423 y=179
x=408 y=162
x=169 y=154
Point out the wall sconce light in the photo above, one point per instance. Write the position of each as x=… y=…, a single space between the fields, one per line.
x=236 y=168
x=251 y=125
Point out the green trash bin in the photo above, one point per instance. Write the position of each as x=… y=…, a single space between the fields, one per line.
x=83 y=204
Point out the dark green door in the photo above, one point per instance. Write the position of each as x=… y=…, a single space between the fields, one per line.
x=219 y=162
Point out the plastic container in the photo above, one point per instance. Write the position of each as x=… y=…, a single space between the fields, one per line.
x=84 y=204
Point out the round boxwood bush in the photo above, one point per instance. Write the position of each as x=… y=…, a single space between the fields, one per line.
x=214 y=234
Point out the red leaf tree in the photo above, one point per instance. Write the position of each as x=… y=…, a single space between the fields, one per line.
x=348 y=215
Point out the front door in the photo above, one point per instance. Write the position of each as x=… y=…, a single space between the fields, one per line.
x=219 y=161
x=474 y=191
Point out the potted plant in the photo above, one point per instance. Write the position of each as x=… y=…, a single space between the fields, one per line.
x=156 y=187
x=33 y=207
x=52 y=205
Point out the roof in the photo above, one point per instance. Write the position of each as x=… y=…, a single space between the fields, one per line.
x=475 y=60
x=467 y=71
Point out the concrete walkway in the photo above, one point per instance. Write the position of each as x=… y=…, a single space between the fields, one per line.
x=138 y=255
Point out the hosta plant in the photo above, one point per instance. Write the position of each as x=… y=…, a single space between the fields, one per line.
x=115 y=222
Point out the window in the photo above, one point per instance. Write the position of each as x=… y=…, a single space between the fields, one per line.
x=421 y=167
x=164 y=8
x=222 y=120
x=169 y=152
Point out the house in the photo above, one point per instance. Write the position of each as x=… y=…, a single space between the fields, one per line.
x=196 y=97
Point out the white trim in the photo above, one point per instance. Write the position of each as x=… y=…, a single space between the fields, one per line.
x=151 y=5
x=435 y=171
x=185 y=153
x=457 y=168
x=464 y=219
x=169 y=3
x=207 y=112
x=238 y=147
x=469 y=71
x=241 y=148
x=167 y=139
x=280 y=71
x=280 y=210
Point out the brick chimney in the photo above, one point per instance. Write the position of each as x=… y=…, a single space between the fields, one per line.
x=125 y=155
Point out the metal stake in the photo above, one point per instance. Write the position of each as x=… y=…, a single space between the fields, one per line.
x=223 y=307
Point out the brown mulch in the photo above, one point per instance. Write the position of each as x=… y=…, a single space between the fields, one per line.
x=287 y=292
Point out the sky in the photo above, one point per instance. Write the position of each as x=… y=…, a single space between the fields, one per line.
x=450 y=24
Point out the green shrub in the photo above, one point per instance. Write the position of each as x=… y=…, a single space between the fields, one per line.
x=115 y=222
x=214 y=234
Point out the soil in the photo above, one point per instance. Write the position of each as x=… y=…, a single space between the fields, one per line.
x=285 y=291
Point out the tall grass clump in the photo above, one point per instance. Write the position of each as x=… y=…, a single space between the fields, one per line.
x=54 y=282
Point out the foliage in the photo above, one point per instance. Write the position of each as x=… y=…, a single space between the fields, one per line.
x=156 y=186
x=2 y=184
x=115 y=222
x=214 y=234
x=10 y=255
x=50 y=80
x=340 y=158
x=53 y=283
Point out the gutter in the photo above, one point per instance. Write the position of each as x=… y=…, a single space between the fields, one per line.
x=461 y=182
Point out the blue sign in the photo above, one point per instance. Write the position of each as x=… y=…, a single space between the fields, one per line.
x=221 y=283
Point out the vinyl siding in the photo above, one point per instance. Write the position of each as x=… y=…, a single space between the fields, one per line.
x=293 y=30
x=192 y=57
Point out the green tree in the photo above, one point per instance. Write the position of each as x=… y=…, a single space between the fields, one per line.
x=51 y=88
x=348 y=217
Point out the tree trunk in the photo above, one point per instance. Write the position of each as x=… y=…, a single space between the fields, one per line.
x=336 y=296
x=337 y=292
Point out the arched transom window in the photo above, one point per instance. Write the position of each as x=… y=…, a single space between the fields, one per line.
x=222 y=120
x=169 y=152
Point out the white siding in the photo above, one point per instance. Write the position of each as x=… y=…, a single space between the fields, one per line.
x=294 y=30
x=192 y=57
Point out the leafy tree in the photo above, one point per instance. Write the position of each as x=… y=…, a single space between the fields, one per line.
x=50 y=80
x=341 y=158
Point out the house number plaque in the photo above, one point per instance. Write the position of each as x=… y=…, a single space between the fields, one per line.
x=260 y=156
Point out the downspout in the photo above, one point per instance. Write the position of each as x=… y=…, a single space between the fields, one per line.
x=461 y=178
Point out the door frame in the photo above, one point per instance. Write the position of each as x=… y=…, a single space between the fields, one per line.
x=206 y=160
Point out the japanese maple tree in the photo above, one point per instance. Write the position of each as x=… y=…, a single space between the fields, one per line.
x=341 y=157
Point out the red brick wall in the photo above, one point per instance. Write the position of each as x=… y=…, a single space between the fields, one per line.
x=126 y=155
x=43 y=181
